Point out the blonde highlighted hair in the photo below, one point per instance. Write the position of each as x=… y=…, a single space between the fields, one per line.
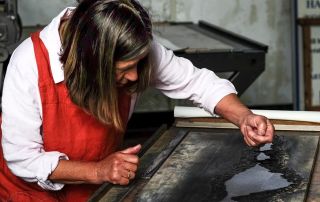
x=97 y=35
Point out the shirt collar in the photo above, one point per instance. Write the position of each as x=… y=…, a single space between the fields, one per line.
x=51 y=39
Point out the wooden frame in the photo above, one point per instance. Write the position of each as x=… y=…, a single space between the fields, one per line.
x=306 y=24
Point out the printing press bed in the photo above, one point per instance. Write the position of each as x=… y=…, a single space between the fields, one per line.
x=206 y=159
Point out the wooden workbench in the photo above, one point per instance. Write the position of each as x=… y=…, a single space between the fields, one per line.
x=314 y=190
x=163 y=137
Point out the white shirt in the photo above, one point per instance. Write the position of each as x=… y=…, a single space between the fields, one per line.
x=21 y=104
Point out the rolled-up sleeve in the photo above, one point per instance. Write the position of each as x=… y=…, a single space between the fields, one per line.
x=178 y=78
x=22 y=141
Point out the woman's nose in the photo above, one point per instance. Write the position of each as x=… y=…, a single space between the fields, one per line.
x=132 y=75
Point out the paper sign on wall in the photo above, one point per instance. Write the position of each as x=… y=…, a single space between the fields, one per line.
x=315 y=58
x=308 y=8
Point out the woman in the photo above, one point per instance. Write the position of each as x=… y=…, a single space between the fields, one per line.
x=70 y=90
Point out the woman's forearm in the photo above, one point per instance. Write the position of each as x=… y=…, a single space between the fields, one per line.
x=74 y=172
x=231 y=108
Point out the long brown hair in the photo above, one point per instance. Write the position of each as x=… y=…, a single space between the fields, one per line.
x=98 y=34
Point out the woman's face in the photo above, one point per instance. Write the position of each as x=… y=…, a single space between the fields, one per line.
x=126 y=71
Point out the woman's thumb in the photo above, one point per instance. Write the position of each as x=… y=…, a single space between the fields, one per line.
x=132 y=150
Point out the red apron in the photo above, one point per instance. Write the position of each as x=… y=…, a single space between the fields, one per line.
x=66 y=128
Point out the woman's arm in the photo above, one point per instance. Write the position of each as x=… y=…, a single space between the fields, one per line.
x=256 y=129
x=117 y=168
x=22 y=141
x=177 y=78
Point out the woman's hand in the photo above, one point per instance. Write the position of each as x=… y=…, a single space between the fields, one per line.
x=119 y=167
x=256 y=129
